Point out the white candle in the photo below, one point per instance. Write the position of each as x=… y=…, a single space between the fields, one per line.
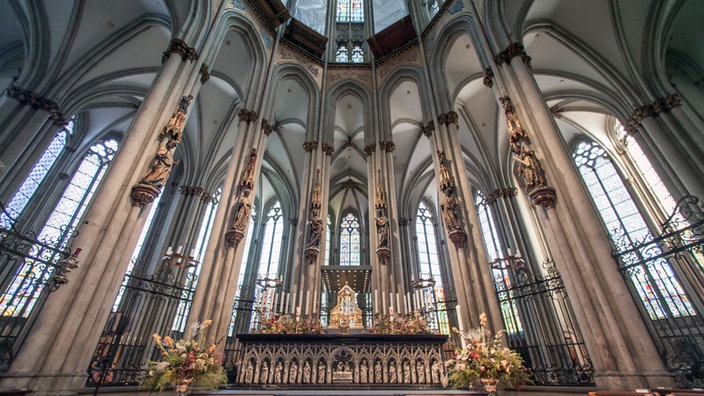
x=406 y=305
x=281 y=305
x=376 y=301
x=294 y=302
x=298 y=312
x=276 y=298
x=169 y=251
x=383 y=300
x=315 y=302
x=193 y=253
x=391 y=313
x=288 y=296
x=307 y=301
x=178 y=251
x=398 y=302
x=391 y=299
x=459 y=317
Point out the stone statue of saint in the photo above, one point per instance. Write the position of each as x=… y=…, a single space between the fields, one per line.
x=530 y=167
x=306 y=372
x=293 y=373
x=420 y=372
x=161 y=165
x=321 y=372
x=382 y=228
x=265 y=373
x=363 y=372
x=377 y=373
x=242 y=211
x=450 y=213
x=407 y=372
x=392 y=373
x=315 y=230
x=277 y=372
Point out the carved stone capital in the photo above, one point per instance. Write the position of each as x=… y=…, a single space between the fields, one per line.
x=247 y=115
x=266 y=127
x=449 y=118
x=387 y=146
x=488 y=77
x=513 y=50
x=37 y=102
x=327 y=149
x=191 y=191
x=204 y=74
x=310 y=145
x=654 y=109
x=459 y=238
x=369 y=149
x=180 y=47
x=428 y=129
x=233 y=237
x=505 y=192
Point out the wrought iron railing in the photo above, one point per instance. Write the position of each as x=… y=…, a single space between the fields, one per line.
x=666 y=277
x=541 y=327
x=147 y=304
x=29 y=270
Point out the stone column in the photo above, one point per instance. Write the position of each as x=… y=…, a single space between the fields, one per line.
x=54 y=357
x=610 y=321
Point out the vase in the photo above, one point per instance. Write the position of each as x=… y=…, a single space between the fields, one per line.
x=182 y=387
x=489 y=385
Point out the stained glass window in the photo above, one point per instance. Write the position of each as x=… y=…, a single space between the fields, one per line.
x=429 y=264
x=342 y=54
x=21 y=296
x=502 y=277
x=350 y=11
x=357 y=54
x=269 y=260
x=349 y=240
x=655 y=282
x=328 y=241
x=30 y=185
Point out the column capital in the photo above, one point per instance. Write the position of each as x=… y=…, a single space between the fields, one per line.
x=428 y=129
x=310 y=145
x=488 y=77
x=387 y=146
x=266 y=127
x=449 y=118
x=247 y=115
x=369 y=149
x=513 y=50
x=502 y=192
x=37 y=102
x=654 y=109
x=204 y=74
x=327 y=149
x=180 y=47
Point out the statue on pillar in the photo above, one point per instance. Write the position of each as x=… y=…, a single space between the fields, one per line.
x=149 y=186
x=239 y=219
x=383 y=250
x=315 y=224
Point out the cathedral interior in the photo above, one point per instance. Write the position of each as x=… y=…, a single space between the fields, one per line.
x=166 y=162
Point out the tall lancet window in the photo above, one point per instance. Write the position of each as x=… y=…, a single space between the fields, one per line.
x=429 y=265
x=501 y=274
x=653 y=280
x=350 y=242
x=24 y=292
x=30 y=185
x=268 y=261
x=349 y=35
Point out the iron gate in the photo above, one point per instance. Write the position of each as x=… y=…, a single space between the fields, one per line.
x=665 y=275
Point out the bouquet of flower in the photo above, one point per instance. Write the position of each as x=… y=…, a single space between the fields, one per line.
x=402 y=324
x=186 y=361
x=288 y=324
x=484 y=357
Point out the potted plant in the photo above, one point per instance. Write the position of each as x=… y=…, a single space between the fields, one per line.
x=483 y=357
x=188 y=361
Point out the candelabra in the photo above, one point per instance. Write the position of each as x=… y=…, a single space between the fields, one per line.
x=510 y=261
x=176 y=259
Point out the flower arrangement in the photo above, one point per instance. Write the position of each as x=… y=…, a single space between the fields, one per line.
x=289 y=324
x=413 y=323
x=186 y=361
x=484 y=357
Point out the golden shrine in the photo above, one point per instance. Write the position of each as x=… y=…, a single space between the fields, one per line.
x=346 y=314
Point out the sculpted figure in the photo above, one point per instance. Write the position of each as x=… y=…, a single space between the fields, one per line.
x=265 y=373
x=161 y=165
x=242 y=211
x=531 y=169
x=277 y=372
x=406 y=372
x=420 y=372
x=249 y=372
x=382 y=228
x=450 y=213
x=377 y=373
x=392 y=373
x=363 y=372
x=306 y=373
x=293 y=373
